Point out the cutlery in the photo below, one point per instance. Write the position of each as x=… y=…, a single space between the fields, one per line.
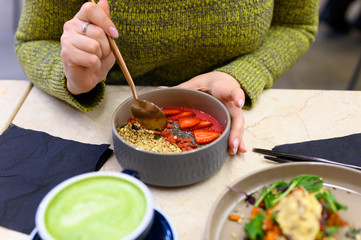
x=283 y=157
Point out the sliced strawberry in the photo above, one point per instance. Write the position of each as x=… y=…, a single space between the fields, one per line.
x=171 y=111
x=188 y=122
x=202 y=124
x=205 y=135
x=182 y=115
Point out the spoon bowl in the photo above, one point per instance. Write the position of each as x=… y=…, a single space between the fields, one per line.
x=146 y=113
x=142 y=110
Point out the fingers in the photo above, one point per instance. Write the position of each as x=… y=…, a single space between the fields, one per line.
x=235 y=94
x=94 y=42
x=235 y=142
x=234 y=105
x=234 y=101
x=98 y=14
x=81 y=48
x=85 y=53
x=73 y=57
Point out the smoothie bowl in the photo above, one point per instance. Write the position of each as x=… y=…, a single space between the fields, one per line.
x=189 y=150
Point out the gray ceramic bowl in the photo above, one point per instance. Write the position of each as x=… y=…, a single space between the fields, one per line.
x=173 y=169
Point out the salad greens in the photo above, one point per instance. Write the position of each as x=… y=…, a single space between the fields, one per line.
x=254 y=227
x=274 y=194
x=271 y=195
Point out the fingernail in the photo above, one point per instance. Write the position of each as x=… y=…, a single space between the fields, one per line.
x=244 y=147
x=163 y=87
x=241 y=103
x=235 y=145
x=113 y=32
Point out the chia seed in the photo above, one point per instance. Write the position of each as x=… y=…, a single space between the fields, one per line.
x=177 y=131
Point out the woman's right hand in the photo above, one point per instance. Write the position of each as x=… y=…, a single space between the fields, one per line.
x=86 y=56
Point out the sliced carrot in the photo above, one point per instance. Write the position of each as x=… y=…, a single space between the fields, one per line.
x=270 y=236
x=268 y=223
x=335 y=220
x=255 y=211
x=234 y=217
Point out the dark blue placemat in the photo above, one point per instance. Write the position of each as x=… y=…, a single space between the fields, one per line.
x=33 y=162
x=346 y=149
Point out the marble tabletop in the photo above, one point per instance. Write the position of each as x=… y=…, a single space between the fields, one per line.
x=280 y=116
x=12 y=95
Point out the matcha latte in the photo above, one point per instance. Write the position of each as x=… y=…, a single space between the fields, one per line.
x=97 y=207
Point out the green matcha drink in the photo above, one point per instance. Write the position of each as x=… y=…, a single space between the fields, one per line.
x=101 y=207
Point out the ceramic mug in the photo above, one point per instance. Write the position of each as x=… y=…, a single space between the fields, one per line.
x=96 y=205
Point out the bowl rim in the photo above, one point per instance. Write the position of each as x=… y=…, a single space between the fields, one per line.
x=226 y=129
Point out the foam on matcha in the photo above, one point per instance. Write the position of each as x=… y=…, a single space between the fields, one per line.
x=95 y=208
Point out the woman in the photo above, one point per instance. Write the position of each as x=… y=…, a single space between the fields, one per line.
x=231 y=49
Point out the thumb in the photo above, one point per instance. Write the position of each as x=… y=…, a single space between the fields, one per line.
x=103 y=4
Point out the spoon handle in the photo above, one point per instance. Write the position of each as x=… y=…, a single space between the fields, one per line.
x=121 y=63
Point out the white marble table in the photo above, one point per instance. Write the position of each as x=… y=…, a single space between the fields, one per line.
x=12 y=95
x=281 y=116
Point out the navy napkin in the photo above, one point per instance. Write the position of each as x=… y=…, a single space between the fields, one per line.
x=346 y=149
x=32 y=163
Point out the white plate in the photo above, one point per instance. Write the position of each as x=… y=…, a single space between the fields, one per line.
x=345 y=184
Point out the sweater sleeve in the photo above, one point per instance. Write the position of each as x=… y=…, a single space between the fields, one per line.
x=293 y=30
x=37 y=46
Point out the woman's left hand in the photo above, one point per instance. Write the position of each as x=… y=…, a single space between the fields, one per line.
x=227 y=89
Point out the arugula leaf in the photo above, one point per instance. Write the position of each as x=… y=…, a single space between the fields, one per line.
x=254 y=227
x=268 y=199
x=330 y=201
x=311 y=183
x=291 y=187
x=270 y=193
x=274 y=193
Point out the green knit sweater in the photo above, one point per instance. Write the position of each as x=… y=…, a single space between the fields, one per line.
x=169 y=42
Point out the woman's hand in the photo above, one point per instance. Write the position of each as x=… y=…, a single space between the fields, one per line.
x=86 y=53
x=227 y=89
